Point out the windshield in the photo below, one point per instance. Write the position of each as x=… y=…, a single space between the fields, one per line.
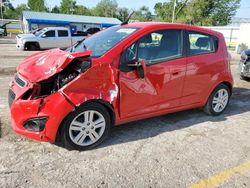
x=38 y=33
x=103 y=41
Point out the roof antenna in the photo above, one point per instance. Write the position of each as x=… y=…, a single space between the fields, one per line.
x=129 y=16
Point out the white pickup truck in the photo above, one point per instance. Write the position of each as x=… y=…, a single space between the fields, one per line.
x=49 y=37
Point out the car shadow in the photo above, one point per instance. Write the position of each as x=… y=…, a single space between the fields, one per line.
x=151 y=127
x=239 y=103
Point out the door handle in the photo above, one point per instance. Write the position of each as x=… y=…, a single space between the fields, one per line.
x=175 y=73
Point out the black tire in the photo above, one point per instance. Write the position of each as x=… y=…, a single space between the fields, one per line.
x=209 y=108
x=31 y=47
x=67 y=133
x=244 y=78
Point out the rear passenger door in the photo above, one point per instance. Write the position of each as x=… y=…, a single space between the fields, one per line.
x=203 y=65
x=63 y=39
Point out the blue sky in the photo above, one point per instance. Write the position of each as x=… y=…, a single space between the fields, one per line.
x=243 y=12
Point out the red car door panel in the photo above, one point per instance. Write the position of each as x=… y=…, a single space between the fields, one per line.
x=160 y=89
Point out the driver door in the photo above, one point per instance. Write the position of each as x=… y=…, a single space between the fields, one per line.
x=48 y=40
x=161 y=87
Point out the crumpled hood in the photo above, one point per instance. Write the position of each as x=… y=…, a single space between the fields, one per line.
x=42 y=65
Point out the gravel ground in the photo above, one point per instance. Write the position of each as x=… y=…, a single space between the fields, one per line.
x=174 y=150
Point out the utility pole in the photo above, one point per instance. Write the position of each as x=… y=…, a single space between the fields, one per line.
x=1 y=4
x=173 y=14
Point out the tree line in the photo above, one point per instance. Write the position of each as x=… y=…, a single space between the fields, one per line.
x=195 y=12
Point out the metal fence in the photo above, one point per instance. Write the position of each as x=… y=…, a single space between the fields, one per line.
x=230 y=33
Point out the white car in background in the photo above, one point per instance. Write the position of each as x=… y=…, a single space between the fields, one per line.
x=49 y=37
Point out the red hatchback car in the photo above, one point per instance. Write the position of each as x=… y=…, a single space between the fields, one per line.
x=121 y=74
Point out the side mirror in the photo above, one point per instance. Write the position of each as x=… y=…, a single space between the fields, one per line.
x=140 y=66
x=43 y=35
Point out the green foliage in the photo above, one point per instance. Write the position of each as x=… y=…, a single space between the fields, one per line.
x=106 y=8
x=143 y=14
x=55 y=9
x=198 y=12
x=122 y=14
x=164 y=10
x=82 y=10
x=37 y=5
x=224 y=10
x=14 y=13
x=67 y=6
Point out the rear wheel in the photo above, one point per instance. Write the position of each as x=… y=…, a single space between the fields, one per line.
x=218 y=100
x=86 y=127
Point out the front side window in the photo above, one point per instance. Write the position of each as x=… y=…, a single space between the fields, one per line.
x=156 y=47
x=201 y=43
x=63 y=33
x=51 y=33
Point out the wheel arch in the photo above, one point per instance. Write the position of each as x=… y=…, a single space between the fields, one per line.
x=106 y=105
x=32 y=42
x=227 y=83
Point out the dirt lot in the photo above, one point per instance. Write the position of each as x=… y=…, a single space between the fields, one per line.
x=183 y=149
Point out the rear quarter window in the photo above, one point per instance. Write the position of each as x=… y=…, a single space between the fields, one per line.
x=200 y=43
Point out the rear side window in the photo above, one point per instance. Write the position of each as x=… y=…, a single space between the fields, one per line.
x=63 y=33
x=50 y=33
x=199 y=43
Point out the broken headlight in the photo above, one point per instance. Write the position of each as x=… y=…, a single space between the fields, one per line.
x=54 y=83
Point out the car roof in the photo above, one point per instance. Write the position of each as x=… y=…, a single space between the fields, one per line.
x=64 y=28
x=171 y=25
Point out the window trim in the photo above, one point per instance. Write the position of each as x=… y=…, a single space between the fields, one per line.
x=50 y=31
x=62 y=30
x=162 y=60
x=187 y=44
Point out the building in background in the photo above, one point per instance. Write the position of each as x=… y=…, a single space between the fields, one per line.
x=236 y=34
x=34 y=20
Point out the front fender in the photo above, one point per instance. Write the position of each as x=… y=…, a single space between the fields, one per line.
x=30 y=40
x=96 y=83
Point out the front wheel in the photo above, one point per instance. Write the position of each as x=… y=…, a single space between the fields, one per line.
x=86 y=127
x=218 y=100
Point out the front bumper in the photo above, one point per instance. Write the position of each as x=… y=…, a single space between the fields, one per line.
x=20 y=46
x=54 y=107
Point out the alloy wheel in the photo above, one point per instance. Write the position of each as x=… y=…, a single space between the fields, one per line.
x=220 y=100
x=87 y=128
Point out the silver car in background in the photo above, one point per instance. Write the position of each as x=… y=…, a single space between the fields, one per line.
x=49 y=37
x=244 y=65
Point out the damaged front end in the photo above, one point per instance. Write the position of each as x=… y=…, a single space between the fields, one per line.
x=244 y=65
x=37 y=103
x=53 y=84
